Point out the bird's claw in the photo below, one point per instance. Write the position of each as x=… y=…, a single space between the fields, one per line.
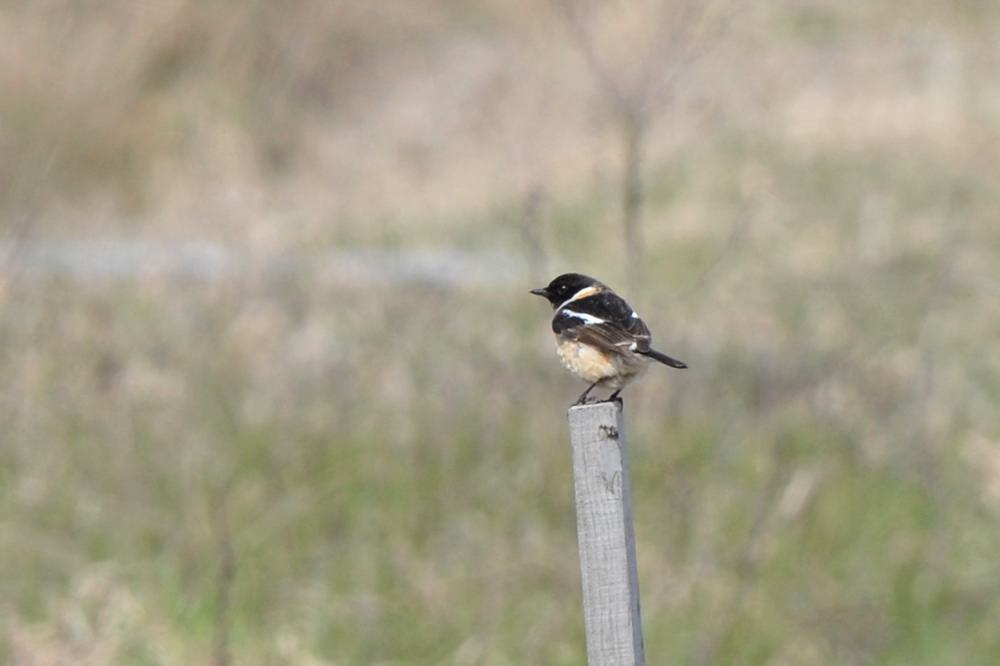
x=591 y=400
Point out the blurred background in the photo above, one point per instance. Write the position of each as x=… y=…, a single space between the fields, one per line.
x=275 y=391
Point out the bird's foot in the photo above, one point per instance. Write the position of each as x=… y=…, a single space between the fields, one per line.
x=582 y=400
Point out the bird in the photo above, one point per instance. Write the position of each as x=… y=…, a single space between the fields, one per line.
x=599 y=337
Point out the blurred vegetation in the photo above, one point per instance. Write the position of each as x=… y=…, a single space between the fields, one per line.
x=275 y=468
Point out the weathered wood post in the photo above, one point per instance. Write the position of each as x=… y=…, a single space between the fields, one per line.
x=606 y=536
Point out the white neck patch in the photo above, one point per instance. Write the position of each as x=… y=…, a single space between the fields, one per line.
x=583 y=293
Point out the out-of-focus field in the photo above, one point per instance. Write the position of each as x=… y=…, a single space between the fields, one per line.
x=284 y=467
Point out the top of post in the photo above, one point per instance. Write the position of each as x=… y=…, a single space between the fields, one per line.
x=596 y=410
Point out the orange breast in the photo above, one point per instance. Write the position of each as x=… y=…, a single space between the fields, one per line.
x=592 y=365
x=584 y=361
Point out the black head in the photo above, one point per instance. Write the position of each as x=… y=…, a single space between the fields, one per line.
x=565 y=287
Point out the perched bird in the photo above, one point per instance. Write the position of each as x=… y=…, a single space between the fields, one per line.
x=599 y=337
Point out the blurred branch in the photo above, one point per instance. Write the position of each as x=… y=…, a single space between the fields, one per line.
x=685 y=40
x=747 y=559
x=939 y=287
x=13 y=241
x=610 y=86
x=733 y=241
x=531 y=234
x=637 y=95
x=224 y=589
x=18 y=232
x=633 y=193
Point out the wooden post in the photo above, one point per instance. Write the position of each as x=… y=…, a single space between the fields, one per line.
x=606 y=536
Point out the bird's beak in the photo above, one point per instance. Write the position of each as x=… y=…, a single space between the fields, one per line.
x=542 y=291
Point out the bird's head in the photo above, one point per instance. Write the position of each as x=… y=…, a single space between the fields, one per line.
x=567 y=286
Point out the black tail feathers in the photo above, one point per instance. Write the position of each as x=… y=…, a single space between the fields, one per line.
x=663 y=358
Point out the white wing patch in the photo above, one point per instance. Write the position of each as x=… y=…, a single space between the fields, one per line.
x=588 y=318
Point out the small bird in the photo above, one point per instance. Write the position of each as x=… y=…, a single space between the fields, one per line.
x=599 y=337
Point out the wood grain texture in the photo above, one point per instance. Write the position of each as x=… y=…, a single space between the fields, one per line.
x=606 y=536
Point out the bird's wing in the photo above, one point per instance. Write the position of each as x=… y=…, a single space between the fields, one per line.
x=604 y=320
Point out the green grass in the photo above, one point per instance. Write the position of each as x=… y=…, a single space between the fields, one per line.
x=396 y=487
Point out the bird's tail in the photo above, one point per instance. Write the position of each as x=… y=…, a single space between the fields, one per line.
x=663 y=358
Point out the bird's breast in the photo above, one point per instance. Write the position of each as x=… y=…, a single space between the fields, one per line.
x=590 y=363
